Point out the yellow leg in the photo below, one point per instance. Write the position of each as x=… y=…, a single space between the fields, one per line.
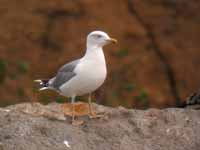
x=92 y=114
x=73 y=111
x=74 y=122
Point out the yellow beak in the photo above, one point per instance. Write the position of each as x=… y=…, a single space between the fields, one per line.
x=112 y=40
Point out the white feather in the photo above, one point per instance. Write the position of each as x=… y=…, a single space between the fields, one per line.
x=44 y=88
x=38 y=81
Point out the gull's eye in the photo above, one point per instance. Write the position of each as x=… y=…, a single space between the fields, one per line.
x=99 y=36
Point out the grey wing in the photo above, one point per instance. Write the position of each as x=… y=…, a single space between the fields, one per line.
x=65 y=73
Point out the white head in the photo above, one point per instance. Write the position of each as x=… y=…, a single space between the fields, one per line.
x=99 y=39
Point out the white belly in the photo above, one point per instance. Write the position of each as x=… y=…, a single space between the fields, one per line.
x=90 y=75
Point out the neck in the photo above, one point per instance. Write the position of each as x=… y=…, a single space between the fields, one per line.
x=94 y=52
x=93 y=46
x=93 y=49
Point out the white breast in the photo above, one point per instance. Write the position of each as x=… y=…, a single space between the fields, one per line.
x=90 y=75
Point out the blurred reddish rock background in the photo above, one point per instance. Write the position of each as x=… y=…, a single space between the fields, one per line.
x=155 y=64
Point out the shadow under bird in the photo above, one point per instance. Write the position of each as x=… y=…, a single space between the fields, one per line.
x=84 y=75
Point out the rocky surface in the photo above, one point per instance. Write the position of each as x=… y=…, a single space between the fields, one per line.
x=157 y=54
x=35 y=126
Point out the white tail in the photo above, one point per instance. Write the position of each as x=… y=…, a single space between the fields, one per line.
x=43 y=88
x=38 y=81
x=44 y=84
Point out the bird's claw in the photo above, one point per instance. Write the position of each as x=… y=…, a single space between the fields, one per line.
x=77 y=122
x=94 y=116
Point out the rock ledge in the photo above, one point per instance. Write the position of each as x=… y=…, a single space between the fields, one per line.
x=34 y=126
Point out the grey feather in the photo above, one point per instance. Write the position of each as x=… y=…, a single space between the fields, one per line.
x=65 y=73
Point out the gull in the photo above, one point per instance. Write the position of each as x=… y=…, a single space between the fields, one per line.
x=84 y=75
